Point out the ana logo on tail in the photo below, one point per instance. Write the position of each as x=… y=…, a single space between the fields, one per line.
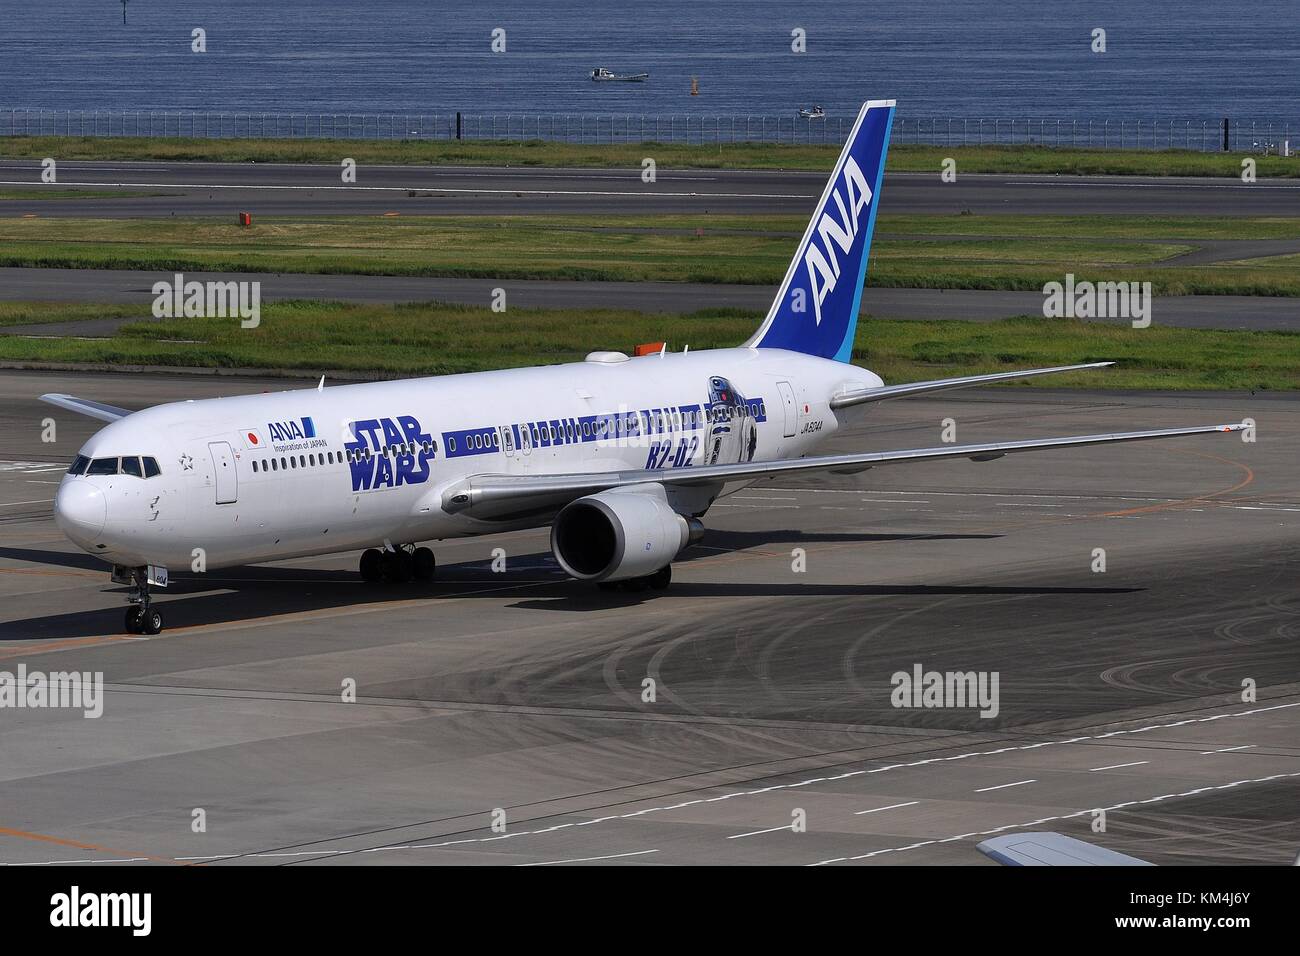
x=824 y=267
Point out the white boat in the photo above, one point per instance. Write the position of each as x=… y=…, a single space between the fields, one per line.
x=815 y=112
x=602 y=75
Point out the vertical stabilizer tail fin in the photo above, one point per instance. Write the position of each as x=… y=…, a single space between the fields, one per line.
x=816 y=309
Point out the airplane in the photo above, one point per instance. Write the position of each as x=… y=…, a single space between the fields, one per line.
x=621 y=457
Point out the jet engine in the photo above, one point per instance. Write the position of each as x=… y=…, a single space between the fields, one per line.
x=620 y=534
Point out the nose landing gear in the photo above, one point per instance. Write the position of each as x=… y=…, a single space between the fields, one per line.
x=141 y=618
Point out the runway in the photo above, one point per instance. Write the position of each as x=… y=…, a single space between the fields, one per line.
x=518 y=698
x=154 y=189
x=125 y=286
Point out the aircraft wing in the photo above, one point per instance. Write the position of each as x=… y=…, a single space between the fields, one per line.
x=495 y=496
x=84 y=406
x=859 y=396
x=1052 y=849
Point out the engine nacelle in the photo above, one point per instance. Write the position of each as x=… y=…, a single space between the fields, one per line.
x=620 y=534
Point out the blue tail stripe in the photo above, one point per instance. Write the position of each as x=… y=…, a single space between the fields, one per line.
x=845 y=352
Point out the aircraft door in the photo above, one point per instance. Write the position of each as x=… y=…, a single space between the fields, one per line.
x=526 y=438
x=508 y=440
x=789 y=408
x=223 y=468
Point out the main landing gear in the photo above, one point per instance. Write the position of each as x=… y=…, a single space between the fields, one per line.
x=657 y=581
x=141 y=618
x=399 y=566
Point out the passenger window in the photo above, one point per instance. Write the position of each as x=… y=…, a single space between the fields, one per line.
x=273 y=466
x=131 y=466
x=254 y=467
x=103 y=466
x=78 y=466
x=151 y=467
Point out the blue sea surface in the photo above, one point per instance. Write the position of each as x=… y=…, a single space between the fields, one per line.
x=944 y=58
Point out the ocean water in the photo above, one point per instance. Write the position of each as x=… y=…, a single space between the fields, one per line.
x=1165 y=58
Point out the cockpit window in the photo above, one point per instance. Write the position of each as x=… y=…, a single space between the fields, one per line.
x=137 y=466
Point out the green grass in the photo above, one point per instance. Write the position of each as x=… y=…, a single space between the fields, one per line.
x=956 y=252
x=902 y=158
x=45 y=193
x=1090 y=227
x=32 y=313
x=433 y=338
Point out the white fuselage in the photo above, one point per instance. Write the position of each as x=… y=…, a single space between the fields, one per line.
x=260 y=477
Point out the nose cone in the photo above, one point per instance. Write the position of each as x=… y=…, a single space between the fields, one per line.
x=80 y=511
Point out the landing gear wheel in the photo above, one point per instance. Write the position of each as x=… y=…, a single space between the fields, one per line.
x=372 y=565
x=661 y=578
x=424 y=564
x=141 y=618
x=636 y=585
x=398 y=566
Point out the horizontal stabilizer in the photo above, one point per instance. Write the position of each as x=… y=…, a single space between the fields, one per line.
x=847 y=399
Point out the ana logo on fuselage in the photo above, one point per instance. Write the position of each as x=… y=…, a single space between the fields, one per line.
x=291 y=431
x=821 y=262
x=388 y=452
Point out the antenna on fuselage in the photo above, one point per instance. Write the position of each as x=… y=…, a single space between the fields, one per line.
x=320 y=386
x=664 y=350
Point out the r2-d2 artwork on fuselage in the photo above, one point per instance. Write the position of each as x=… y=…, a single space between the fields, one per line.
x=733 y=433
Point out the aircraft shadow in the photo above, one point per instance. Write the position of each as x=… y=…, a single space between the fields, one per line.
x=258 y=592
x=587 y=602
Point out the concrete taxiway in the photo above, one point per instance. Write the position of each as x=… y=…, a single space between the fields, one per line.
x=520 y=698
x=152 y=189
x=125 y=286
